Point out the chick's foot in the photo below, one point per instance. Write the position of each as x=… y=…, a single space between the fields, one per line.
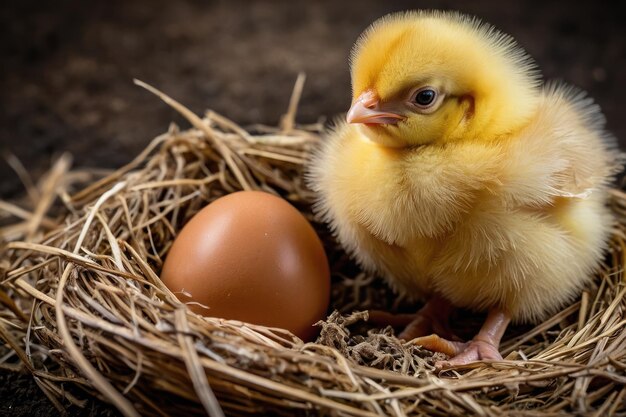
x=475 y=350
x=433 y=317
x=483 y=347
x=461 y=353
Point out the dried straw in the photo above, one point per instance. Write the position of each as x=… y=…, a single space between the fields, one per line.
x=85 y=309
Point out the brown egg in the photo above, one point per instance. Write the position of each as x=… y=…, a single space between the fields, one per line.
x=251 y=256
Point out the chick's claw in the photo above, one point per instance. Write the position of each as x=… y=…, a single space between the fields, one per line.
x=476 y=350
x=438 y=344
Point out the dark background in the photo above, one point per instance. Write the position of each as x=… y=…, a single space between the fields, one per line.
x=66 y=71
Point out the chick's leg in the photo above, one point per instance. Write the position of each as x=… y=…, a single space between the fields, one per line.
x=483 y=346
x=431 y=318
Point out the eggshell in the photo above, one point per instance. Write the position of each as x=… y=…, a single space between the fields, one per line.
x=251 y=256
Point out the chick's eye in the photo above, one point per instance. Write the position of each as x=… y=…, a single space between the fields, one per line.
x=425 y=97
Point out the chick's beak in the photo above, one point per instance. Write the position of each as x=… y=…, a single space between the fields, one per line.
x=367 y=109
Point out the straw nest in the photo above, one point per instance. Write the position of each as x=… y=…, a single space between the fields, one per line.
x=84 y=309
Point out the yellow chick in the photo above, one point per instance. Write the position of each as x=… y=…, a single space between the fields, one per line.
x=463 y=180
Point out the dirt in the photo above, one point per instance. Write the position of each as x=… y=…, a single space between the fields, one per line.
x=67 y=67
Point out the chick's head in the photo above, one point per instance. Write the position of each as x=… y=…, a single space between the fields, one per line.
x=429 y=77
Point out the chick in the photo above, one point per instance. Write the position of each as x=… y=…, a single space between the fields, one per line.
x=463 y=180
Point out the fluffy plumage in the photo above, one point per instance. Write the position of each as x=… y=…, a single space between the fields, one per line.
x=494 y=199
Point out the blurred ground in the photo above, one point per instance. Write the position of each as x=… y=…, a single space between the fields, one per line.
x=66 y=71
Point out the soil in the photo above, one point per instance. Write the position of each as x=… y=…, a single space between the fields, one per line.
x=67 y=67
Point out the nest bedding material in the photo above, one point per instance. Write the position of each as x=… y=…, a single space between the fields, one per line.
x=84 y=309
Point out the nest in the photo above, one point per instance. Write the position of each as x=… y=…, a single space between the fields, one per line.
x=85 y=310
